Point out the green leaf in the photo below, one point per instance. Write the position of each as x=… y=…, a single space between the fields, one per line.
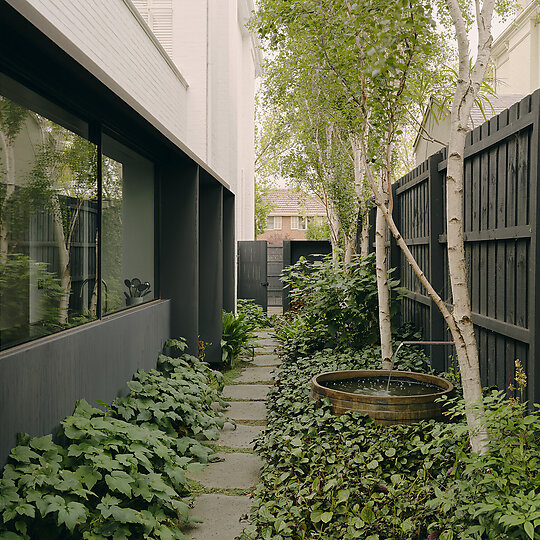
x=367 y=515
x=343 y=495
x=529 y=529
x=326 y=516
x=23 y=454
x=119 y=481
x=72 y=514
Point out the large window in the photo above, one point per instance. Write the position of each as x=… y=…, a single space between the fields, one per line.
x=50 y=226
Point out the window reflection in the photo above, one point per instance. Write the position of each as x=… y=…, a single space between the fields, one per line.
x=48 y=226
x=128 y=227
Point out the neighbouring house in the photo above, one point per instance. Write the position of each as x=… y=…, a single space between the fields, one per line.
x=434 y=131
x=515 y=53
x=292 y=210
x=126 y=175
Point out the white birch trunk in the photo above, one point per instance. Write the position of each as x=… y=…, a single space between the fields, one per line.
x=467 y=89
x=364 y=240
x=385 y=328
x=9 y=159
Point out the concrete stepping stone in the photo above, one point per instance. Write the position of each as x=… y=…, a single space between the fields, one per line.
x=256 y=374
x=221 y=514
x=233 y=471
x=242 y=437
x=264 y=360
x=256 y=392
x=247 y=410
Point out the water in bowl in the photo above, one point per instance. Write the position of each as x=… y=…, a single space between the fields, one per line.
x=377 y=386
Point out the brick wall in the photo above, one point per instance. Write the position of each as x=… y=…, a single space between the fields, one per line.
x=108 y=39
x=276 y=236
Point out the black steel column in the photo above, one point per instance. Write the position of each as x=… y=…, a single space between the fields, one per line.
x=179 y=268
x=210 y=265
x=229 y=252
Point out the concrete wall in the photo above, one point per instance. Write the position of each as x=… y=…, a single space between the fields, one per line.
x=40 y=382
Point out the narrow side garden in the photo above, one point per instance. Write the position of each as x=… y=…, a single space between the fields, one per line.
x=345 y=477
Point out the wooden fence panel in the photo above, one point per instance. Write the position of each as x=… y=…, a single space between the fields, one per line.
x=501 y=204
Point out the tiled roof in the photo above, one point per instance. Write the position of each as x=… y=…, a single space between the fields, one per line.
x=493 y=106
x=289 y=202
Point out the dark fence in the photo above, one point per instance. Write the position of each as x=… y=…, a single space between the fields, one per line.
x=501 y=204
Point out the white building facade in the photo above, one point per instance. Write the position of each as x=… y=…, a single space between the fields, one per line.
x=210 y=45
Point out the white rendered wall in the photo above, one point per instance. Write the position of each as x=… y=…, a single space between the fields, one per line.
x=108 y=40
x=216 y=53
x=516 y=54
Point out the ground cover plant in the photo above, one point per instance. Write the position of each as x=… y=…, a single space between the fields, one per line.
x=345 y=477
x=117 y=472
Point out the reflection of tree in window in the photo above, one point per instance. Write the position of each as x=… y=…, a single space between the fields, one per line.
x=48 y=225
x=112 y=233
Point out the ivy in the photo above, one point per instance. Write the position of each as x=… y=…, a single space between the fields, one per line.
x=346 y=477
x=117 y=472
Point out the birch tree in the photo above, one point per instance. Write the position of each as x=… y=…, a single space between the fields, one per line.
x=374 y=48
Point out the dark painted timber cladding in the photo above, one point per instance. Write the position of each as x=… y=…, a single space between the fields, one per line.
x=501 y=204
x=210 y=267
x=40 y=382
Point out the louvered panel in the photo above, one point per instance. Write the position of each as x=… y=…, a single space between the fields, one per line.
x=142 y=8
x=162 y=27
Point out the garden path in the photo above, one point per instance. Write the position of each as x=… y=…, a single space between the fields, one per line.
x=226 y=485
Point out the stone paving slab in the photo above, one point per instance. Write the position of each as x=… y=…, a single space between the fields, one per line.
x=247 y=410
x=241 y=437
x=221 y=515
x=263 y=360
x=256 y=392
x=262 y=351
x=256 y=374
x=265 y=335
x=235 y=471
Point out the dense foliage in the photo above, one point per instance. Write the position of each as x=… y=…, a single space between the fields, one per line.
x=236 y=334
x=333 y=305
x=253 y=314
x=119 y=472
x=345 y=477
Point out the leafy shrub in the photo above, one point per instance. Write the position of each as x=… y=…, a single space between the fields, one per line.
x=345 y=477
x=180 y=403
x=496 y=495
x=335 y=305
x=105 y=477
x=253 y=314
x=235 y=337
